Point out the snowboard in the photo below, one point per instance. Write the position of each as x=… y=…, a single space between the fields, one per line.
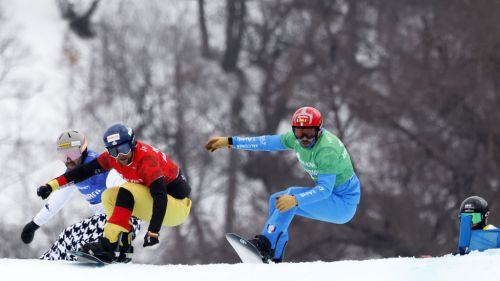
x=245 y=250
x=88 y=259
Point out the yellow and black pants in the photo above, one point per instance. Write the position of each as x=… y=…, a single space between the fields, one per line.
x=131 y=199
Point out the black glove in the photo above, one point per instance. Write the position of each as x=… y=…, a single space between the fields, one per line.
x=151 y=239
x=44 y=191
x=29 y=232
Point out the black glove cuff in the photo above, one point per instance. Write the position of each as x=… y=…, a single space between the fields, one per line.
x=154 y=229
x=230 y=140
x=32 y=225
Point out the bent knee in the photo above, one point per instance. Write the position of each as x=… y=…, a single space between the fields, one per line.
x=109 y=194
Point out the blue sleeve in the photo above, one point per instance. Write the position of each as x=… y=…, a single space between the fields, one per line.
x=262 y=143
x=465 y=234
x=323 y=189
x=94 y=186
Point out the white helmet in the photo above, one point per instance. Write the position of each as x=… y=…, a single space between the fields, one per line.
x=71 y=144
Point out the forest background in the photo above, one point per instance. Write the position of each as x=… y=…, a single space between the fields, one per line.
x=411 y=88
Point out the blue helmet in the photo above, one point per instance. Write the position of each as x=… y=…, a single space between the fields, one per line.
x=119 y=139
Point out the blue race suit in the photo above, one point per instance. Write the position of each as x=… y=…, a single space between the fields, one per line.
x=335 y=196
x=93 y=187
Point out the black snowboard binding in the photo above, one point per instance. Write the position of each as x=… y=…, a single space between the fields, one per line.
x=125 y=248
x=264 y=246
x=102 y=249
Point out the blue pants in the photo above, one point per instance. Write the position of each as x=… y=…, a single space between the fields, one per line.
x=339 y=208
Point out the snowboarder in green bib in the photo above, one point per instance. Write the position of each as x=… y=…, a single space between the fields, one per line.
x=336 y=191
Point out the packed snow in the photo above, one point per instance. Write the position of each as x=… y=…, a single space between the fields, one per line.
x=470 y=267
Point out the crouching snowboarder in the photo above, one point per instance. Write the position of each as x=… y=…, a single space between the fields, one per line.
x=155 y=190
x=73 y=152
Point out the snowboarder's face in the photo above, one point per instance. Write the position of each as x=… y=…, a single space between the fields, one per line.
x=124 y=159
x=72 y=164
x=305 y=136
x=71 y=157
x=122 y=153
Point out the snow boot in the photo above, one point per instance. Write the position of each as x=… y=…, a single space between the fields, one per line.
x=264 y=246
x=125 y=248
x=102 y=249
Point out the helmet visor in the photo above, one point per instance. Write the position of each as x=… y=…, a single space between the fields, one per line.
x=476 y=217
x=123 y=148
x=69 y=154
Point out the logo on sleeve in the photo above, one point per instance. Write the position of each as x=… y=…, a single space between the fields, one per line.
x=271 y=228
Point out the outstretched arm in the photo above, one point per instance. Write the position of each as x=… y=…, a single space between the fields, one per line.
x=261 y=143
x=77 y=175
x=54 y=205
x=81 y=173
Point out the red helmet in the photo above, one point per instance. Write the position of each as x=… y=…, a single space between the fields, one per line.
x=307 y=117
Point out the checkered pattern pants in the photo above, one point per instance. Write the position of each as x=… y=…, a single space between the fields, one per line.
x=86 y=231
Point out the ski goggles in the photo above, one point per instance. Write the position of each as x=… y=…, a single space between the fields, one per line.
x=301 y=133
x=123 y=148
x=69 y=154
x=476 y=217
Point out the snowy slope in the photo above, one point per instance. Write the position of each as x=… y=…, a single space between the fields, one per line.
x=471 y=267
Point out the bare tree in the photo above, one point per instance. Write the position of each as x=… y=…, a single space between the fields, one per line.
x=206 y=51
x=411 y=88
x=79 y=22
